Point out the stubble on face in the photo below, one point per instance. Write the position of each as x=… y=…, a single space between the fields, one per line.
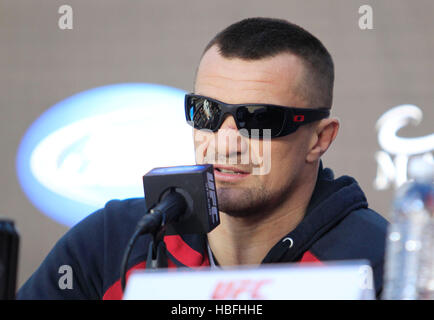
x=243 y=202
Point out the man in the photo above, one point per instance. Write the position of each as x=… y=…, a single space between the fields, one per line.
x=257 y=74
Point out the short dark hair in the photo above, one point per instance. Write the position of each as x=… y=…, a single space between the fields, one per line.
x=257 y=38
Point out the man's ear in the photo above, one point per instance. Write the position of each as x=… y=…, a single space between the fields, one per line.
x=324 y=134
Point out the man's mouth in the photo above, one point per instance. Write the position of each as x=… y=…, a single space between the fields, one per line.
x=228 y=173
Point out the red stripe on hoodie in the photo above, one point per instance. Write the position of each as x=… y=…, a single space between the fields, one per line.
x=309 y=257
x=115 y=290
x=185 y=254
x=178 y=248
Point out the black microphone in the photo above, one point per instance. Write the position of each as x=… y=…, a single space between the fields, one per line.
x=170 y=209
x=181 y=200
x=196 y=185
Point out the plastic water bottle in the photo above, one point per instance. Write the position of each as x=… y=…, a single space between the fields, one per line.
x=409 y=265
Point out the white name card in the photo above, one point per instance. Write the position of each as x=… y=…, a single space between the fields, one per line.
x=344 y=280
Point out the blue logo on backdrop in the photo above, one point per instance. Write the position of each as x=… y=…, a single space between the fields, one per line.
x=96 y=146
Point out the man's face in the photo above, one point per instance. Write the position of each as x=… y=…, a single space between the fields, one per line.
x=272 y=81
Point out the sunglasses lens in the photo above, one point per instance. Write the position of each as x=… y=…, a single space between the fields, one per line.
x=258 y=117
x=204 y=113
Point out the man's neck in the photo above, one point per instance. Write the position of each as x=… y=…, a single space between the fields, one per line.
x=247 y=240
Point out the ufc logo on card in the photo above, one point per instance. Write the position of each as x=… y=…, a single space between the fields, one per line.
x=239 y=289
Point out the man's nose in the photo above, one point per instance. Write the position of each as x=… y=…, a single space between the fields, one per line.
x=229 y=123
x=229 y=142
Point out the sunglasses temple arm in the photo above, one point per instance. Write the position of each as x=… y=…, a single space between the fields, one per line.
x=309 y=116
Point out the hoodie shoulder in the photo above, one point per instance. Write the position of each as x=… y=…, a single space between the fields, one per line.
x=361 y=235
x=92 y=251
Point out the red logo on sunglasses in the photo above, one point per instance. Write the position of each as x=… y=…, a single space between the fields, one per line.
x=299 y=118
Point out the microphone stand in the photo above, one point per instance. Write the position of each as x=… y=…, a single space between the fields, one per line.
x=157 y=257
x=155 y=223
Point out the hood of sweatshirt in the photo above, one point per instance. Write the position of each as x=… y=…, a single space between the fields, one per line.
x=332 y=200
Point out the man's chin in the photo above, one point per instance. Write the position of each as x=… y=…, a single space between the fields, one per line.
x=238 y=203
x=227 y=200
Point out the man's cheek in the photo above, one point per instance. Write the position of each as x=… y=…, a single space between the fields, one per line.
x=260 y=153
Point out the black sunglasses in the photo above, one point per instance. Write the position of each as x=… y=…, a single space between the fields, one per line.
x=205 y=113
